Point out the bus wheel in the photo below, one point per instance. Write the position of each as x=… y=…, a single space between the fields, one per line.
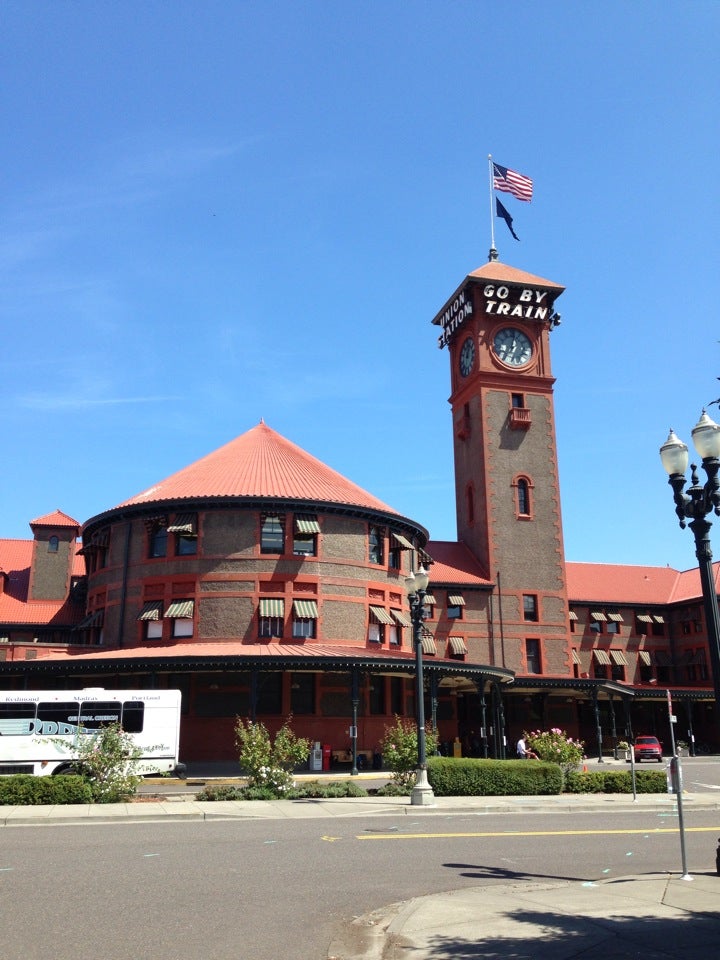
x=68 y=769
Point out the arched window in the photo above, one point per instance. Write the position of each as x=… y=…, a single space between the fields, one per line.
x=523 y=497
x=53 y=545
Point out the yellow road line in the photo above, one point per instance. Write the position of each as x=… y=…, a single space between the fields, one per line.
x=529 y=833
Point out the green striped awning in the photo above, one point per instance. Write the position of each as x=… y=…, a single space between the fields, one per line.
x=598 y=616
x=429 y=600
x=306 y=609
x=381 y=616
x=602 y=657
x=402 y=541
x=184 y=523
x=575 y=656
x=618 y=658
x=428 y=643
x=306 y=523
x=615 y=617
x=644 y=618
x=272 y=607
x=573 y=615
x=180 y=610
x=457 y=645
x=456 y=600
x=151 y=610
x=401 y=618
x=645 y=657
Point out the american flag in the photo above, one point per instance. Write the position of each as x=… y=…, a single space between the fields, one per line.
x=512 y=182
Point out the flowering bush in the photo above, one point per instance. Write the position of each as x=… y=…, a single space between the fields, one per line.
x=108 y=761
x=400 y=751
x=267 y=763
x=557 y=747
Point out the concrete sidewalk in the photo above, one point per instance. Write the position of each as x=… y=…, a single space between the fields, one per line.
x=654 y=917
x=185 y=807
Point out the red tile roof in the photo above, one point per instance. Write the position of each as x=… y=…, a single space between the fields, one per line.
x=495 y=270
x=624 y=583
x=454 y=563
x=55 y=519
x=259 y=463
x=15 y=560
x=233 y=648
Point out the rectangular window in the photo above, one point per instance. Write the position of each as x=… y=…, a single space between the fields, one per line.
x=16 y=719
x=305 y=613
x=376 y=696
x=99 y=713
x=376 y=632
x=181 y=613
x=532 y=656
x=395 y=558
x=272 y=618
x=184 y=527
x=455 y=604
x=153 y=629
x=306 y=530
x=158 y=540
x=302 y=693
x=272 y=535
x=530 y=608
x=376 y=537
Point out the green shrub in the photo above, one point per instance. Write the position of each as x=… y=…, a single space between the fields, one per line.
x=312 y=790
x=466 y=777
x=616 y=781
x=26 y=790
x=268 y=763
x=399 y=749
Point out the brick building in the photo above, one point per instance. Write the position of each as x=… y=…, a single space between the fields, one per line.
x=262 y=583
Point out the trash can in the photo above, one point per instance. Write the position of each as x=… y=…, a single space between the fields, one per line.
x=316 y=757
x=457 y=747
x=326 y=756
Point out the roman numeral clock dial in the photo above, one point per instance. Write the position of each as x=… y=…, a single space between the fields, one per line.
x=513 y=347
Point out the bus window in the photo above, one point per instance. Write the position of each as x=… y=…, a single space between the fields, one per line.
x=133 y=716
x=16 y=719
x=99 y=713
x=56 y=718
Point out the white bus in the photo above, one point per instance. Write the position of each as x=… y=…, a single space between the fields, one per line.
x=39 y=729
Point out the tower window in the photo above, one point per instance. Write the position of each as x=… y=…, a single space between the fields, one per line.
x=523 y=497
x=470 y=499
x=532 y=656
x=272 y=536
x=158 y=540
x=530 y=608
x=376 y=539
x=53 y=544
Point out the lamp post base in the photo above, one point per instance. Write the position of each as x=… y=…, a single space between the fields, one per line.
x=422 y=793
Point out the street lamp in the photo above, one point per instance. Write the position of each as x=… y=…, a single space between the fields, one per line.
x=694 y=505
x=416 y=585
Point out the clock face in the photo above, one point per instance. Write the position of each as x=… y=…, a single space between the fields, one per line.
x=513 y=347
x=467 y=356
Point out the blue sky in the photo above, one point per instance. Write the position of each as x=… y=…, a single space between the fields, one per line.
x=216 y=212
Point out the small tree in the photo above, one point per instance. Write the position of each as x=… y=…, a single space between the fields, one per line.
x=400 y=751
x=557 y=747
x=108 y=761
x=269 y=763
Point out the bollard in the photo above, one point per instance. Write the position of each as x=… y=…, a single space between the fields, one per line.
x=717 y=858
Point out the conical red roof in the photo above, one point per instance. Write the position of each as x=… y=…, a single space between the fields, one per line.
x=259 y=463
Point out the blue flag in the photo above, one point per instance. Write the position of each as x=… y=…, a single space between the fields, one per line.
x=502 y=212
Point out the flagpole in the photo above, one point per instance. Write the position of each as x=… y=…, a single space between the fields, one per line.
x=493 y=251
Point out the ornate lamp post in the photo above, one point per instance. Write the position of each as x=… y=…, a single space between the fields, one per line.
x=416 y=586
x=694 y=505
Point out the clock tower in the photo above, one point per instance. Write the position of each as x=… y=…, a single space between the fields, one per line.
x=496 y=329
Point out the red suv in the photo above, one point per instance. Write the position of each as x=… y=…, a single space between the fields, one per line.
x=648 y=748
